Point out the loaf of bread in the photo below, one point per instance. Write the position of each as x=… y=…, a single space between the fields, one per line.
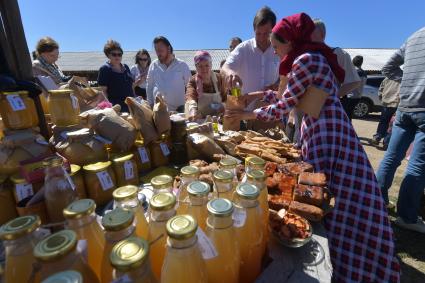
x=312 y=179
x=277 y=202
x=307 y=211
x=308 y=194
x=296 y=168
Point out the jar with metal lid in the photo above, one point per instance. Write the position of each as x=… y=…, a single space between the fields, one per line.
x=63 y=107
x=68 y=276
x=100 y=179
x=130 y=260
x=58 y=252
x=81 y=218
x=188 y=174
x=224 y=267
x=198 y=198
x=119 y=225
x=254 y=163
x=17 y=110
x=20 y=237
x=77 y=177
x=160 y=152
x=7 y=201
x=125 y=169
x=161 y=210
x=228 y=164
x=162 y=184
x=142 y=155
x=22 y=189
x=183 y=261
x=223 y=184
x=126 y=197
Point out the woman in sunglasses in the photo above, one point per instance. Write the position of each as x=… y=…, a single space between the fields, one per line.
x=114 y=77
x=140 y=71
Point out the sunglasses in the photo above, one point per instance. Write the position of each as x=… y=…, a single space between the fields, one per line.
x=142 y=59
x=116 y=54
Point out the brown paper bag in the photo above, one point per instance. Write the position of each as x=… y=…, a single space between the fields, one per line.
x=143 y=119
x=161 y=118
x=88 y=97
x=232 y=103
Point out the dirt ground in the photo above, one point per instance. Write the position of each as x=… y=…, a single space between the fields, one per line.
x=410 y=246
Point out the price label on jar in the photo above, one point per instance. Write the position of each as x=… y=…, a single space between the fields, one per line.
x=129 y=170
x=74 y=102
x=82 y=248
x=207 y=247
x=123 y=279
x=164 y=148
x=239 y=217
x=143 y=155
x=23 y=191
x=105 y=180
x=16 y=102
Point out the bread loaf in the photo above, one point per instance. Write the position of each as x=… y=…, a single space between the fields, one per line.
x=308 y=194
x=312 y=179
x=307 y=211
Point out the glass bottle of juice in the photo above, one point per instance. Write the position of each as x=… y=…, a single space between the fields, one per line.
x=162 y=184
x=69 y=276
x=223 y=184
x=188 y=175
x=118 y=225
x=81 y=218
x=130 y=259
x=224 y=267
x=161 y=210
x=58 y=252
x=59 y=190
x=249 y=231
x=198 y=196
x=183 y=261
x=19 y=239
x=126 y=198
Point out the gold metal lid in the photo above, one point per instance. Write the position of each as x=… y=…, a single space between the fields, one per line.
x=228 y=163
x=79 y=208
x=19 y=227
x=60 y=91
x=220 y=207
x=125 y=193
x=223 y=176
x=19 y=92
x=198 y=188
x=247 y=191
x=123 y=158
x=181 y=227
x=190 y=171
x=162 y=201
x=55 y=246
x=257 y=175
x=117 y=219
x=161 y=181
x=139 y=142
x=52 y=161
x=255 y=161
x=18 y=179
x=74 y=169
x=96 y=167
x=68 y=276
x=129 y=254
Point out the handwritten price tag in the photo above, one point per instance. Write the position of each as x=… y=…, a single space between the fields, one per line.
x=207 y=247
x=143 y=155
x=239 y=217
x=16 y=102
x=105 y=180
x=164 y=149
x=23 y=191
x=129 y=170
x=74 y=102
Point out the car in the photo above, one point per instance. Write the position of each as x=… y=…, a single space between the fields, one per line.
x=370 y=101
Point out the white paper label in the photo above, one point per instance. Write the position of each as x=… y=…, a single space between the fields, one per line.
x=239 y=217
x=164 y=149
x=105 y=180
x=74 y=102
x=23 y=191
x=143 y=155
x=82 y=248
x=123 y=279
x=129 y=170
x=207 y=247
x=16 y=102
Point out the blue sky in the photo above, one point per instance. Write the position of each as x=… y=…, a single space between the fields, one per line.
x=86 y=25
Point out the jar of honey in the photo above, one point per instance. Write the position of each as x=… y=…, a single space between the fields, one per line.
x=125 y=169
x=160 y=152
x=22 y=189
x=254 y=163
x=228 y=164
x=7 y=201
x=18 y=110
x=69 y=276
x=162 y=184
x=223 y=184
x=142 y=156
x=188 y=175
x=198 y=195
x=100 y=179
x=63 y=107
x=77 y=177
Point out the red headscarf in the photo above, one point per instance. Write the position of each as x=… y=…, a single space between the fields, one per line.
x=297 y=29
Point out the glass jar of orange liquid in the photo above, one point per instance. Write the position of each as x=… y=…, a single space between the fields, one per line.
x=130 y=259
x=198 y=197
x=224 y=266
x=118 y=225
x=58 y=252
x=188 y=175
x=223 y=184
x=142 y=155
x=248 y=224
x=17 y=110
x=81 y=218
x=63 y=107
x=183 y=261
x=19 y=239
x=69 y=276
x=77 y=177
x=161 y=210
x=126 y=198
x=162 y=184
x=125 y=169
x=228 y=164
x=100 y=180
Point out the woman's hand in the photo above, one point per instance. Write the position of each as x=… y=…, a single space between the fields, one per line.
x=238 y=114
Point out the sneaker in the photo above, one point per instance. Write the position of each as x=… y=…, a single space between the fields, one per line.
x=419 y=226
x=390 y=205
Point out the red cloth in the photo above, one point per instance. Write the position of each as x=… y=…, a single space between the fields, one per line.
x=297 y=29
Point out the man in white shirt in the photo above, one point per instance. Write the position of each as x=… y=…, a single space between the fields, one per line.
x=167 y=76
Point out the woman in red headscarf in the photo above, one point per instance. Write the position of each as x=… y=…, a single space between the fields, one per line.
x=359 y=231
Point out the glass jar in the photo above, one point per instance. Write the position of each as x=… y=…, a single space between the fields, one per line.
x=223 y=184
x=126 y=171
x=162 y=184
x=130 y=259
x=20 y=237
x=63 y=107
x=59 y=190
x=76 y=175
x=17 y=110
x=198 y=196
x=160 y=152
x=7 y=201
x=224 y=266
x=69 y=276
x=100 y=179
x=81 y=218
x=118 y=225
x=229 y=164
x=248 y=224
x=183 y=260
x=142 y=156
x=254 y=163
x=22 y=189
x=188 y=175
x=127 y=198
x=161 y=210
x=58 y=252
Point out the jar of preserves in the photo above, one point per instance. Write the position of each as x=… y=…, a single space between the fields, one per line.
x=188 y=174
x=17 y=110
x=198 y=198
x=254 y=163
x=7 y=201
x=81 y=218
x=160 y=152
x=58 y=252
x=142 y=155
x=223 y=184
x=77 y=177
x=63 y=107
x=125 y=169
x=162 y=184
x=130 y=259
x=229 y=164
x=22 y=189
x=100 y=178
x=69 y=276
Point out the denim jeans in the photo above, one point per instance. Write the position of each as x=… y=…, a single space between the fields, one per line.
x=408 y=127
x=386 y=115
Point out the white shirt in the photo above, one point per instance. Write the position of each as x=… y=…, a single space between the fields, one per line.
x=169 y=81
x=344 y=61
x=256 y=68
x=135 y=72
